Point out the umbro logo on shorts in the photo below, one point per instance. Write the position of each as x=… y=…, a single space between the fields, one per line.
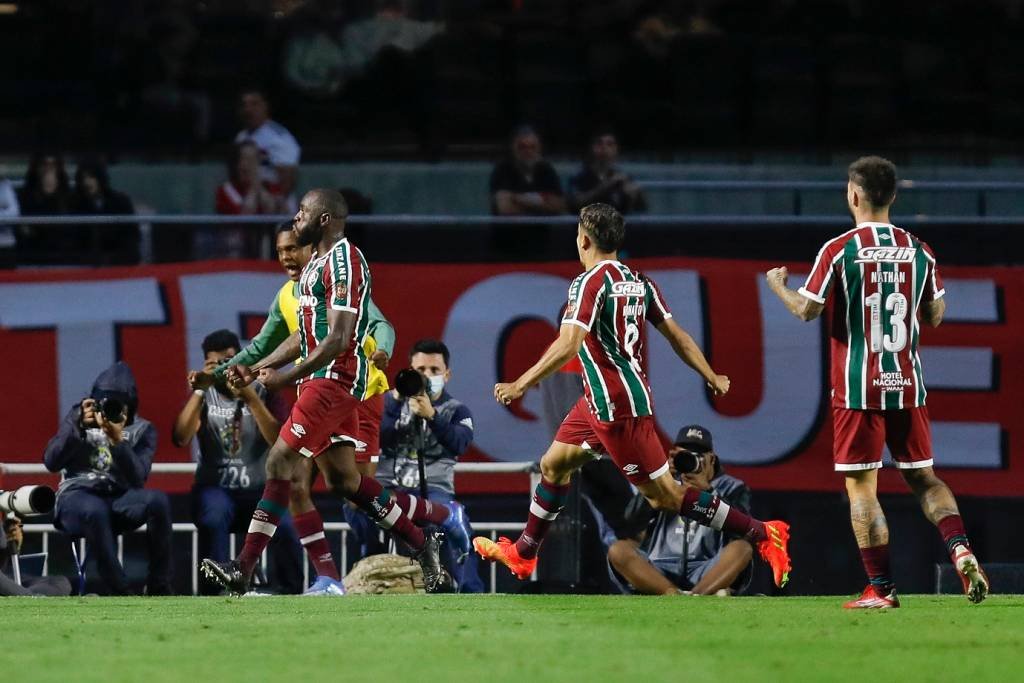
x=631 y=468
x=298 y=430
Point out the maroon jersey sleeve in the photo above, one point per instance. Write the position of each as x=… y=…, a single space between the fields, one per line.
x=933 y=288
x=657 y=308
x=818 y=283
x=586 y=294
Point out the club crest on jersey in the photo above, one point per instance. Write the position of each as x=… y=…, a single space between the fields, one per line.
x=342 y=290
x=570 y=308
x=886 y=254
x=628 y=289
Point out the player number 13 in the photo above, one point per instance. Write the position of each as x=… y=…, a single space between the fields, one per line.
x=896 y=306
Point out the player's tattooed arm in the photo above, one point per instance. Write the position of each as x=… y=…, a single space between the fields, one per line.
x=687 y=350
x=797 y=304
x=566 y=346
x=932 y=312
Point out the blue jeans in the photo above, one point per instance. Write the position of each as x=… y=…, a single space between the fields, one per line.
x=364 y=540
x=219 y=512
x=99 y=517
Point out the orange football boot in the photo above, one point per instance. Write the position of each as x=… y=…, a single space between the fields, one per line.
x=775 y=551
x=504 y=551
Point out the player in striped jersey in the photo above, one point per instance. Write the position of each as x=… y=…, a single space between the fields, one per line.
x=881 y=280
x=604 y=326
x=334 y=377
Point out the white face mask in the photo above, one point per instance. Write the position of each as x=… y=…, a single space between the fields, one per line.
x=435 y=385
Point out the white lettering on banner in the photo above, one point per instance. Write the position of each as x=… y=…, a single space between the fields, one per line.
x=793 y=384
x=85 y=315
x=217 y=301
x=473 y=333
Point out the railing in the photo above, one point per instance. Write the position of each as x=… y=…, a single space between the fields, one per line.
x=491 y=528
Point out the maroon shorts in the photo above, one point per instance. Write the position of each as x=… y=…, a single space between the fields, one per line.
x=370 y=413
x=632 y=443
x=324 y=414
x=860 y=435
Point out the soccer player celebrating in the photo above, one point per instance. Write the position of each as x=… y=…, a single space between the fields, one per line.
x=334 y=306
x=604 y=325
x=887 y=279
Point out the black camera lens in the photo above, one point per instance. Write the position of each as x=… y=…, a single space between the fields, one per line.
x=112 y=409
x=687 y=462
x=409 y=383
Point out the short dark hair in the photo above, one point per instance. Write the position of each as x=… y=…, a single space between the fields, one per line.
x=284 y=226
x=878 y=178
x=605 y=226
x=332 y=202
x=431 y=346
x=221 y=340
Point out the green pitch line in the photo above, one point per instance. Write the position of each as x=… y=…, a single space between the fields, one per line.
x=527 y=639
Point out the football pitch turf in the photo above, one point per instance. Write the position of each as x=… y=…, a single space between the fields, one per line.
x=527 y=639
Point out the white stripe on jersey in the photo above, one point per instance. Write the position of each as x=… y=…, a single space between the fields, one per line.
x=621 y=334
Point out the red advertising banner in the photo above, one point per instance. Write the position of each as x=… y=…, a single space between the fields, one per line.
x=59 y=329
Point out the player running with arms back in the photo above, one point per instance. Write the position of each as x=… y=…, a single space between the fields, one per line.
x=604 y=324
x=881 y=279
x=324 y=422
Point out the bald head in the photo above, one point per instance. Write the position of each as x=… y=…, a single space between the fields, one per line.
x=320 y=210
x=327 y=201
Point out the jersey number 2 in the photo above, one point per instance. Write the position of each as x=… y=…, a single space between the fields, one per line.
x=896 y=307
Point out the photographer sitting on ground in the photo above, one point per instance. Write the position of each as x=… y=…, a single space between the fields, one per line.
x=676 y=555
x=106 y=452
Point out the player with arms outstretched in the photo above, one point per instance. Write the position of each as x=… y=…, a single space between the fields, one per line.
x=334 y=377
x=604 y=324
x=881 y=279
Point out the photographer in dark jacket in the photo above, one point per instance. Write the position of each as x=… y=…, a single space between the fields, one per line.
x=106 y=452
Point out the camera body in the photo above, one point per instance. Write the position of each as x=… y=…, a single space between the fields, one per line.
x=688 y=462
x=410 y=382
x=28 y=500
x=113 y=409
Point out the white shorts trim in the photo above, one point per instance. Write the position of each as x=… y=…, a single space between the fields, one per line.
x=660 y=471
x=856 y=467
x=306 y=452
x=345 y=438
x=913 y=465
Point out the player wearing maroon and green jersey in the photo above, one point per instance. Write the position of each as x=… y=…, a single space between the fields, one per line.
x=881 y=280
x=605 y=326
x=324 y=422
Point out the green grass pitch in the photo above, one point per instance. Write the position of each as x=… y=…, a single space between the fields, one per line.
x=527 y=639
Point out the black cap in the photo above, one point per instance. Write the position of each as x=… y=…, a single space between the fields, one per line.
x=695 y=438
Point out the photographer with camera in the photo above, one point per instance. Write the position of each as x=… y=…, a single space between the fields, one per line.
x=106 y=451
x=27 y=500
x=230 y=431
x=675 y=555
x=423 y=421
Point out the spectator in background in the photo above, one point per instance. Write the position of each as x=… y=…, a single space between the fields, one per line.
x=8 y=208
x=47 y=192
x=231 y=431
x=115 y=242
x=105 y=451
x=600 y=181
x=279 y=152
x=525 y=184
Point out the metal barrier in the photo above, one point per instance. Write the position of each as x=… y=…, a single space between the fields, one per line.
x=491 y=528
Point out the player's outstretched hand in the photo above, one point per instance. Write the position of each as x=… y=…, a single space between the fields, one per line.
x=239 y=376
x=506 y=392
x=380 y=359
x=719 y=385
x=777 y=277
x=270 y=379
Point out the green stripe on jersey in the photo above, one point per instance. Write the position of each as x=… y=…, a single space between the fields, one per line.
x=856 y=339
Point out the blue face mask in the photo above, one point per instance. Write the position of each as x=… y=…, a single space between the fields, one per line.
x=435 y=385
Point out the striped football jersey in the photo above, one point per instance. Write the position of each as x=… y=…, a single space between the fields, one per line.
x=338 y=279
x=612 y=302
x=881 y=274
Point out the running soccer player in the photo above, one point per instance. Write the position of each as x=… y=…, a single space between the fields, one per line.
x=886 y=279
x=604 y=325
x=334 y=305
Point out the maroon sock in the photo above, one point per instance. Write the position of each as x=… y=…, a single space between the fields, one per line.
x=876 y=564
x=953 y=534
x=310 y=528
x=421 y=511
x=384 y=510
x=548 y=501
x=708 y=509
x=265 y=518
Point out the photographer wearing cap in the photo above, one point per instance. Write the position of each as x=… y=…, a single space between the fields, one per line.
x=106 y=451
x=676 y=555
x=422 y=420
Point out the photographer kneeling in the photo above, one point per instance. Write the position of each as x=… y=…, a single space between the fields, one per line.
x=676 y=555
x=106 y=452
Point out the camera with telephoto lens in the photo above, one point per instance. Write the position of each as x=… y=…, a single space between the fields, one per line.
x=410 y=382
x=28 y=500
x=688 y=462
x=113 y=409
